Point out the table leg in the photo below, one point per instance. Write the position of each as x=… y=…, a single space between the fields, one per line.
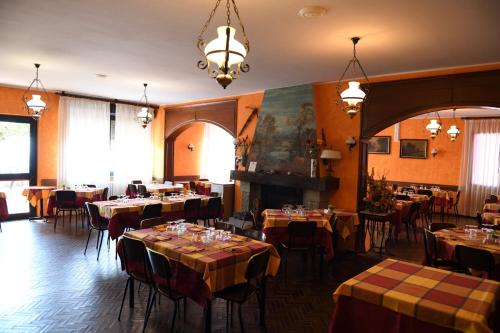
x=38 y=217
x=208 y=317
x=442 y=213
x=131 y=294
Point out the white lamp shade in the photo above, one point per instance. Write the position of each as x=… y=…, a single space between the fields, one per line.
x=433 y=127
x=36 y=103
x=353 y=95
x=453 y=132
x=328 y=154
x=215 y=51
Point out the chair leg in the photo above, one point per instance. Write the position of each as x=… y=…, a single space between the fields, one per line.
x=55 y=219
x=285 y=254
x=149 y=307
x=86 y=245
x=97 y=242
x=176 y=304
x=100 y=244
x=227 y=316
x=123 y=299
x=240 y=317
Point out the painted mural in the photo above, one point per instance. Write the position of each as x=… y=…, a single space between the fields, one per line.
x=286 y=122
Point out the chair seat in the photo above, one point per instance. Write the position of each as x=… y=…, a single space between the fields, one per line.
x=237 y=293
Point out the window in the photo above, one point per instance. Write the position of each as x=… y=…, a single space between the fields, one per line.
x=486 y=159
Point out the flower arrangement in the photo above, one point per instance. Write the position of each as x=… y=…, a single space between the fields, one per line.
x=312 y=149
x=242 y=147
x=379 y=195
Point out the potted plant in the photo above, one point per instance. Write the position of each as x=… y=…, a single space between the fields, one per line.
x=312 y=149
x=242 y=147
x=379 y=196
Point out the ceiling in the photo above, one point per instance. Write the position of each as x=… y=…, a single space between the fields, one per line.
x=463 y=113
x=154 y=41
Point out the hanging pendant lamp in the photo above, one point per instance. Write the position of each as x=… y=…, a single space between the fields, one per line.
x=453 y=132
x=224 y=56
x=434 y=127
x=144 y=116
x=353 y=97
x=35 y=102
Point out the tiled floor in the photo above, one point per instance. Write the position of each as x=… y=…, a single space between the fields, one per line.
x=48 y=285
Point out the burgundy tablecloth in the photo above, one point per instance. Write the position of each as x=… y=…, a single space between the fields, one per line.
x=353 y=316
x=4 y=212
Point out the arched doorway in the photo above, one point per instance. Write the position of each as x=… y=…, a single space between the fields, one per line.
x=394 y=101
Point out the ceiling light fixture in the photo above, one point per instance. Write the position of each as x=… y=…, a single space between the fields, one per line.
x=34 y=104
x=224 y=56
x=144 y=116
x=434 y=127
x=353 y=97
x=453 y=132
x=312 y=11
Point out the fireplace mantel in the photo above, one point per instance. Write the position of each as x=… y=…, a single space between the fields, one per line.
x=306 y=183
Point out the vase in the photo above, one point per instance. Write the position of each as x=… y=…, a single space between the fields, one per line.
x=314 y=168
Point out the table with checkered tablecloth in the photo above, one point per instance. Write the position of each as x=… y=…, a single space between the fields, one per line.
x=83 y=195
x=398 y=296
x=212 y=266
x=491 y=207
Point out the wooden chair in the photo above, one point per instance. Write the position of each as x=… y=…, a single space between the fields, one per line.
x=192 y=210
x=255 y=276
x=66 y=202
x=95 y=222
x=161 y=273
x=151 y=222
x=477 y=259
x=301 y=238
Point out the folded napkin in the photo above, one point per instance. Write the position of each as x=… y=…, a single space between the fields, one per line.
x=189 y=249
x=237 y=249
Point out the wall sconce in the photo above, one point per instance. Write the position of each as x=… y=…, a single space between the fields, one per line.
x=191 y=147
x=434 y=152
x=350 y=142
x=327 y=155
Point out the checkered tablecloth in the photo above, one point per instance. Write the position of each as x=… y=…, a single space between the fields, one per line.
x=108 y=209
x=444 y=198
x=90 y=193
x=491 y=217
x=276 y=218
x=491 y=207
x=35 y=193
x=162 y=188
x=449 y=238
x=222 y=263
x=428 y=294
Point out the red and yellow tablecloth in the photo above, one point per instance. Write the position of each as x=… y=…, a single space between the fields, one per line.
x=444 y=198
x=90 y=194
x=491 y=217
x=491 y=207
x=203 y=187
x=426 y=294
x=4 y=212
x=219 y=264
x=35 y=193
x=162 y=188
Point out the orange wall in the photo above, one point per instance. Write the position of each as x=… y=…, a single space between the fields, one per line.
x=158 y=132
x=187 y=162
x=443 y=169
x=11 y=104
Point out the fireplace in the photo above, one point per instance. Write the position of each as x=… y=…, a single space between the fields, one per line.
x=272 y=196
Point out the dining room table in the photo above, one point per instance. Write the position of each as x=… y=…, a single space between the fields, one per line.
x=83 y=194
x=491 y=207
x=35 y=195
x=205 y=261
x=399 y=296
x=275 y=226
x=444 y=199
x=448 y=239
x=126 y=213
x=491 y=218
x=164 y=188
x=203 y=187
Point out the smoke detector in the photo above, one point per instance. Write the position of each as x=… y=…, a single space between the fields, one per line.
x=312 y=11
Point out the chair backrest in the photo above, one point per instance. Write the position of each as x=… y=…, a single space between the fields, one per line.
x=403 y=197
x=142 y=189
x=430 y=246
x=137 y=182
x=333 y=222
x=94 y=219
x=478 y=259
x=457 y=198
x=257 y=265
x=48 y=182
x=113 y=197
x=192 y=208
x=302 y=233
x=414 y=210
x=91 y=185
x=153 y=210
x=160 y=269
x=224 y=226
x=65 y=197
x=213 y=207
x=430 y=203
x=435 y=226
x=255 y=234
x=134 y=256
x=238 y=231
x=104 y=195
x=132 y=189
x=151 y=222
x=425 y=192
x=192 y=185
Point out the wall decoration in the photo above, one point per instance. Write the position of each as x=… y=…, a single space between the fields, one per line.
x=413 y=148
x=379 y=145
x=285 y=124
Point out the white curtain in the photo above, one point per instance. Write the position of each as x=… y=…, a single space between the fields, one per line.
x=83 y=142
x=480 y=170
x=132 y=149
x=218 y=154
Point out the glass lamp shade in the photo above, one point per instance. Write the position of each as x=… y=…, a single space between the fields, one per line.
x=36 y=106
x=144 y=117
x=215 y=51
x=434 y=127
x=453 y=132
x=328 y=154
x=353 y=95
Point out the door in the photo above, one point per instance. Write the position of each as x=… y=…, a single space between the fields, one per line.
x=18 y=155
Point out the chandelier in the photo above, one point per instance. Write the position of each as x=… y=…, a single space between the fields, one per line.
x=224 y=56
x=353 y=97
x=453 y=132
x=33 y=101
x=144 y=116
x=434 y=127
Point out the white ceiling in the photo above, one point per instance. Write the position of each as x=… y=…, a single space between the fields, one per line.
x=135 y=41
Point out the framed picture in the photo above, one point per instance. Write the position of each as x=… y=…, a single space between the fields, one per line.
x=379 y=145
x=413 y=148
